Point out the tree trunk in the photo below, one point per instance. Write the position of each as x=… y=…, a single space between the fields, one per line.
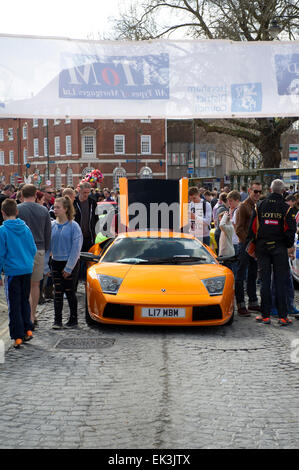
x=269 y=146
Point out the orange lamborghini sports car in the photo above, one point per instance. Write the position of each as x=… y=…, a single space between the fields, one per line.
x=158 y=278
x=160 y=275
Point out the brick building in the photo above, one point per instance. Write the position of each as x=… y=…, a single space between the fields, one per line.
x=68 y=149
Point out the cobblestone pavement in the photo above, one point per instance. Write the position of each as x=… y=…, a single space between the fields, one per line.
x=157 y=388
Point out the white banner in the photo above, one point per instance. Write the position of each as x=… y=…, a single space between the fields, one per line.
x=60 y=78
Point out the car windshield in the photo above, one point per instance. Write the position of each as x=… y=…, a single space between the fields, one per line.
x=158 y=251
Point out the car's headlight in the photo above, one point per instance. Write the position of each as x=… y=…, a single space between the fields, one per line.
x=214 y=285
x=109 y=284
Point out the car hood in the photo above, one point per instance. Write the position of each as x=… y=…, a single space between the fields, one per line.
x=178 y=279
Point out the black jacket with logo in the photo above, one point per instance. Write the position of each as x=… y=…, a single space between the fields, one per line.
x=273 y=220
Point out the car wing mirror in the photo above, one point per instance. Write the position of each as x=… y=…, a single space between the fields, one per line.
x=89 y=257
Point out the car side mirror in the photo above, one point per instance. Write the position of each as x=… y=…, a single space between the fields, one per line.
x=89 y=257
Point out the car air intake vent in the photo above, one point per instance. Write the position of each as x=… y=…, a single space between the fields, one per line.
x=119 y=311
x=207 y=312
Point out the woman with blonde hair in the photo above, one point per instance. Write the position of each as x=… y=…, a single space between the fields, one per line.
x=66 y=243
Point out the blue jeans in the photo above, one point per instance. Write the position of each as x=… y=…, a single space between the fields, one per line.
x=245 y=264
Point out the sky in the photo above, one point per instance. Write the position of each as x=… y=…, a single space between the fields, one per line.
x=76 y=19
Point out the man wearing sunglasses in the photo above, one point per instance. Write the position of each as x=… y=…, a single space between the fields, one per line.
x=273 y=228
x=48 y=196
x=246 y=263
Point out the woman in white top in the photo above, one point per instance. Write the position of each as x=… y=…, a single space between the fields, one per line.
x=226 y=247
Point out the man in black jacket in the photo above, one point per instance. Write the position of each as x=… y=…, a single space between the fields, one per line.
x=273 y=229
x=86 y=217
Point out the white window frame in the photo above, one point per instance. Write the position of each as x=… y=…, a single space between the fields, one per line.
x=45 y=146
x=57 y=145
x=69 y=177
x=68 y=145
x=10 y=133
x=67 y=121
x=118 y=172
x=119 y=144
x=35 y=123
x=58 y=178
x=36 y=147
x=146 y=173
x=87 y=120
x=2 y=156
x=145 y=144
x=1 y=134
x=11 y=157
x=88 y=144
x=25 y=156
x=25 y=132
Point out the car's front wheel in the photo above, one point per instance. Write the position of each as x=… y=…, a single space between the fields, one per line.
x=88 y=318
x=231 y=320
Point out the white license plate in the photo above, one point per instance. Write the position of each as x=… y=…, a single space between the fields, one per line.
x=163 y=312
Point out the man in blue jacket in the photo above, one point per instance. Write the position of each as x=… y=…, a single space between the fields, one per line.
x=17 y=251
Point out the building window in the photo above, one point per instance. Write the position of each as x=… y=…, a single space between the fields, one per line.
x=118 y=172
x=45 y=146
x=147 y=121
x=11 y=157
x=88 y=144
x=68 y=144
x=211 y=159
x=119 y=120
x=58 y=178
x=145 y=144
x=87 y=120
x=45 y=122
x=24 y=132
x=56 y=122
x=183 y=159
x=10 y=133
x=119 y=144
x=69 y=177
x=35 y=147
x=35 y=123
x=175 y=158
x=2 y=157
x=146 y=173
x=67 y=121
x=25 y=155
x=1 y=135
x=57 y=145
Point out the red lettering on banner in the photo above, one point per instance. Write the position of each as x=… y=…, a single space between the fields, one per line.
x=106 y=78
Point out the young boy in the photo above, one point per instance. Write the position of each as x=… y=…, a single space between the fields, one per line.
x=17 y=251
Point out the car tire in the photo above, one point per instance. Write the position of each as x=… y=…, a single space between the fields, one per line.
x=231 y=320
x=88 y=319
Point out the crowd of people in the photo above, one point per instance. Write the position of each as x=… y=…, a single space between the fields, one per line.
x=41 y=235
x=42 y=232
x=256 y=233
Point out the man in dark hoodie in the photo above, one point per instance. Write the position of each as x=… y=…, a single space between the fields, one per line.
x=17 y=251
